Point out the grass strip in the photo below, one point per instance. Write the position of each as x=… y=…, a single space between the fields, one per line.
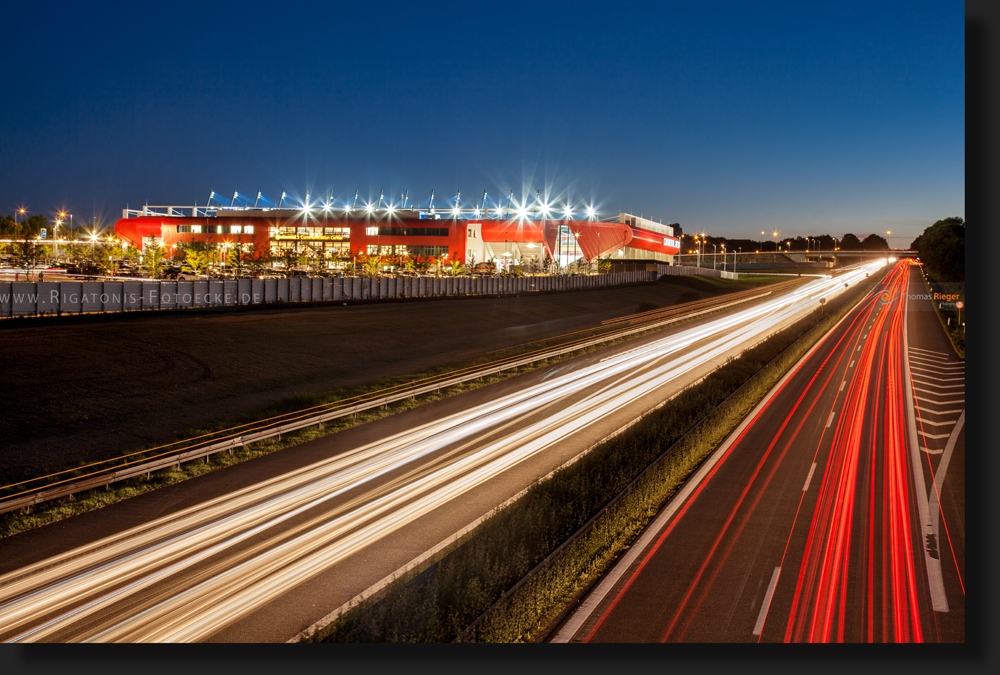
x=439 y=603
x=57 y=509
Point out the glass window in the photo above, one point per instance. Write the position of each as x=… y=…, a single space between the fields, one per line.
x=196 y=229
x=236 y=229
x=248 y=229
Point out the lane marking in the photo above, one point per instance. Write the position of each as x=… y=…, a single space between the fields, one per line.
x=918 y=349
x=937 y=424
x=938 y=371
x=929 y=451
x=941 y=379
x=842 y=385
x=941 y=386
x=950 y=365
x=830 y=421
x=759 y=626
x=809 y=477
x=852 y=364
x=936 y=436
x=938 y=412
x=934 y=400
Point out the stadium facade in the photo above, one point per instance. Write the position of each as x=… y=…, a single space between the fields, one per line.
x=442 y=235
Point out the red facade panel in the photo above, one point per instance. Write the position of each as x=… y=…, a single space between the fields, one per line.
x=654 y=241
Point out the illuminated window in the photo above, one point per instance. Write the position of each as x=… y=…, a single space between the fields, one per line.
x=236 y=229
x=371 y=231
x=248 y=229
x=196 y=229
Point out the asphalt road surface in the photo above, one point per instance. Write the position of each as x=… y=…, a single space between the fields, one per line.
x=835 y=513
x=269 y=549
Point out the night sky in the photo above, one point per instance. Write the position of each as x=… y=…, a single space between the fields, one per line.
x=727 y=117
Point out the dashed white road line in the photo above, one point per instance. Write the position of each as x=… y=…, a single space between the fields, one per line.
x=809 y=477
x=759 y=626
x=830 y=421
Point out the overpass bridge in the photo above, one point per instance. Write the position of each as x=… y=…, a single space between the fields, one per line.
x=840 y=258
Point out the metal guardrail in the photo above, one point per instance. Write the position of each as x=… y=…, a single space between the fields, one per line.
x=105 y=479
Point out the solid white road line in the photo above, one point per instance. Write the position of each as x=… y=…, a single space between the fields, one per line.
x=759 y=626
x=932 y=451
x=809 y=477
x=940 y=412
x=939 y=600
x=940 y=473
x=935 y=436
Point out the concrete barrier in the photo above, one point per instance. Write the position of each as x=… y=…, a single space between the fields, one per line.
x=113 y=296
x=131 y=296
x=6 y=298
x=70 y=301
x=48 y=297
x=70 y=297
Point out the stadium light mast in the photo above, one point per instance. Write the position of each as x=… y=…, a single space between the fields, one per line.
x=483 y=208
x=355 y=202
x=432 y=203
x=233 y=200
x=380 y=193
x=258 y=199
x=405 y=195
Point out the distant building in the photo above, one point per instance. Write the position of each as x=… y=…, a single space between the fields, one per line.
x=414 y=232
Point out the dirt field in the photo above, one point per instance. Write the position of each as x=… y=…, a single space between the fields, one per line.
x=88 y=391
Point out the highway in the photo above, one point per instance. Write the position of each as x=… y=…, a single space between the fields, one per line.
x=829 y=515
x=224 y=568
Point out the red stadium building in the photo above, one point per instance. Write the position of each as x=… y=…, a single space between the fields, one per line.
x=394 y=231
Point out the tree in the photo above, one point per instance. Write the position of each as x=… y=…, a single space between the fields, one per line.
x=941 y=248
x=195 y=261
x=371 y=265
x=152 y=261
x=873 y=242
x=850 y=243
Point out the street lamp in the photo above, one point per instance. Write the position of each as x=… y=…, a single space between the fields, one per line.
x=775 y=235
x=723 y=257
x=715 y=254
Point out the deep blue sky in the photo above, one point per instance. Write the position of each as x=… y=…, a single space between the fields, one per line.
x=728 y=117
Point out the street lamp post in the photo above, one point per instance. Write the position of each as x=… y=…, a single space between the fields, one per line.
x=888 y=241
x=715 y=255
x=775 y=235
x=723 y=257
